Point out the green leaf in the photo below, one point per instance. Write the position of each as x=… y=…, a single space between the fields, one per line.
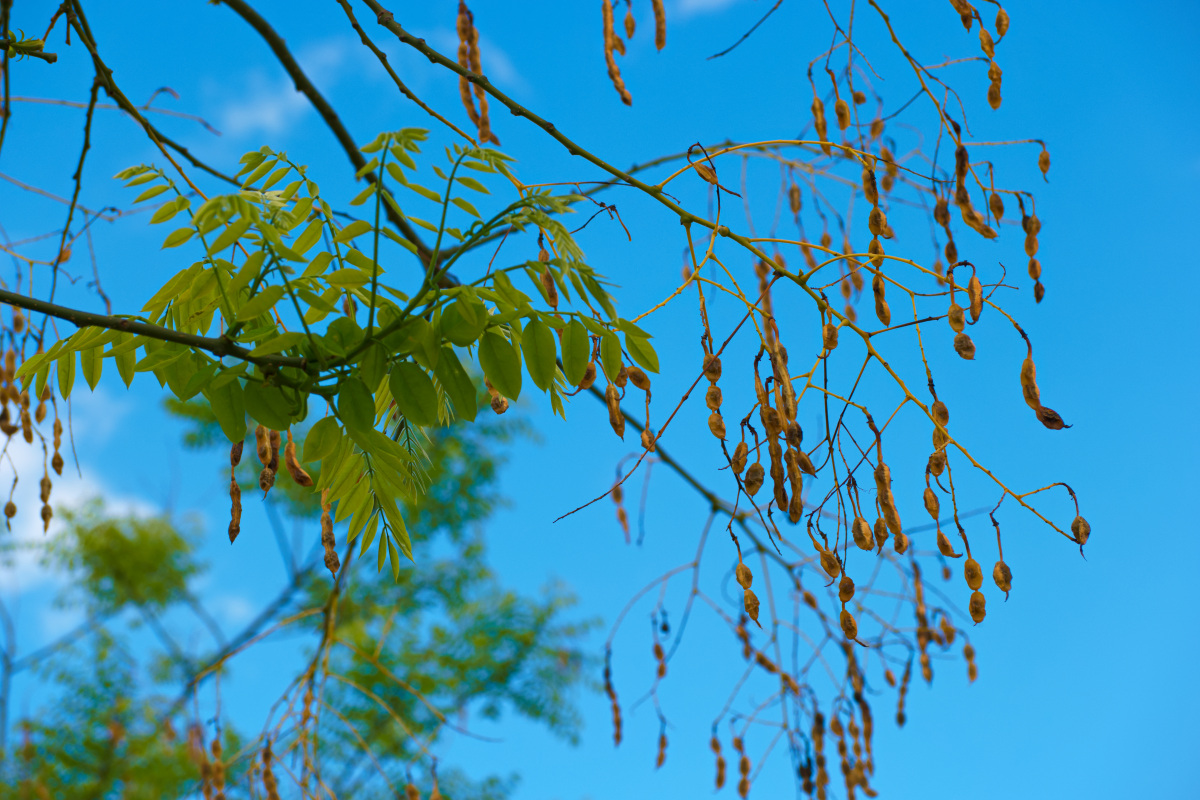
x=308 y=237
x=229 y=406
x=576 y=351
x=267 y=404
x=356 y=228
x=322 y=439
x=66 y=373
x=413 y=391
x=610 y=355
x=169 y=210
x=463 y=321
x=632 y=330
x=537 y=345
x=356 y=407
x=467 y=207
x=372 y=364
x=153 y=191
x=277 y=344
x=177 y=237
x=91 y=361
x=642 y=352
x=471 y=183
x=457 y=384
x=230 y=235
x=260 y=303
x=501 y=364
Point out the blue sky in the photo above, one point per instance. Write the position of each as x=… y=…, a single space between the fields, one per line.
x=1083 y=687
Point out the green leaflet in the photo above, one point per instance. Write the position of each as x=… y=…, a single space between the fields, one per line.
x=610 y=355
x=642 y=352
x=260 y=303
x=501 y=364
x=537 y=345
x=463 y=321
x=356 y=407
x=414 y=393
x=576 y=351
x=229 y=406
x=457 y=384
x=322 y=439
x=267 y=404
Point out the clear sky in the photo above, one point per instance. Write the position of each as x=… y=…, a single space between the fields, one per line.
x=1084 y=686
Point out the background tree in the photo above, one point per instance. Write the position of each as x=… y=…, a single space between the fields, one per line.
x=287 y=325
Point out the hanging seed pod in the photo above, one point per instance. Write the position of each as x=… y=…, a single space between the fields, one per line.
x=794 y=198
x=845 y=589
x=881 y=307
x=1001 y=22
x=941 y=414
x=622 y=377
x=887 y=502
x=1035 y=268
x=411 y=792
x=795 y=437
x=1029 y=387
x=47 y=514
x=712 y=367
x=615 y=418
x=648 y=440
x=543 y=255
x=961 y=162
x=805 y=463
x=876 y=251
x=964 y=346
x=864 y=538
x=977 y=606
x=877 y=127
x=1044 y=162
x=973 y=573
x=294 y=469
x=39 y=413
x=738 y=462
x=589 y=376
x=235 y=512
x=818 y=110
x=262 y=441
x=328 y=542
x=870 y=189
x=1081 y=529
x=881 y=533
x=10 y=509
x=986 y=44
x=712 y=398
x=1039 y=291
x=266 y=479
x=630 y=25
x=56 y=463
x=849 y=626
x=1002 y=575
x=754 y=478
x=26 y=426
x=937 y=462
x=975 y=292
x=1050 y=418
x=945 y=548
x=829 y=336
x=841 y=111
x=969 y=655
x=932 y=505
x=45 y=487
x=956 y=318
x=829 y=563
x=849 y=313
x=716 y=424
x=876 y=222
x=900 y=543
x=499 y=403
x=549 y=288
x=639 y=378
x=235 y=452
x=1031 y=245
x=750 y=599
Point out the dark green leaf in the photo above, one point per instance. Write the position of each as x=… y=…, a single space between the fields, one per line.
x=501 y=364
x=457 y=384
x=413 y=391
x=576 y=351
x=537 y=345
x=322 y=439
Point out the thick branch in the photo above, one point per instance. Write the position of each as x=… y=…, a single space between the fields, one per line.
x=218 y=346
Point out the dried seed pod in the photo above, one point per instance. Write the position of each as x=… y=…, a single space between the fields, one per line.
x=1029 y=387
x=1081 y=529
x=1044 y=161
x=47 y=514
x=932 y=504
x=235 y=512
x=940 y=438
x=941 y=212
x=996 y=204
x=887 y=502
x=900 y=543
x=712 y=398
x=751 y=602
x=969 y=655
x=890 y=677
x=716 y=424
x=1039 y=291
x=45 y=486
x=877 y=127
x=870 y=189
x=805 y=463
x=1050 y=418
x=589 y=376
x=262 y=441
x=235 y=452
x=56 y=463
x=876 y=251
x=882 y=311
x=622 y=377
x=613 y=44
x=941 y=414
x=499 y=403
x=1031 y=245
x=973 y=573
x=881 y=533
x=975 y=292
x=849 y=626
x=841 y=111
x=10 y=509
x=795 y=437
x=26 y=426
x=630 y=25
x=794 y=198
x=937 y=462
x=639 y=378
x=649 y=442
x=712 y=367
x=1002 y=575
x=956 y=318
x=266 y=479
x=829 y=336
x=299 y=475
x=977 y=606
x=945 y=548
x=964 y=346
x=864 y=538
x=738 y=462
x=994 y=97
x=543 y=255
x=332 y=562
x=1035 y=269
x=660 y=24
x=615 y=418
x=986 y=44
x=743 y=575
x=40 y=413
x=877 y=222
x=549 y=288
x=754 y=478
x=1001 y=22
x=845 y=589
x=829 y=563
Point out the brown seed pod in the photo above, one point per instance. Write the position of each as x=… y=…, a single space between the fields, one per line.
x=615 y=418
x=235 y=453
x=45 y=486
x=877 y=222
x=1039 y=291
x=859 y=98
x=882 y=311
x=743 y=575
x=870 y=189
x=328 y=542
x=543 y=255
x=1081 y=529
x=794 y=198
x=750 y=599
x=738 y=462
x=1050 y=418
x=996 y=205
x=956 y=318
x=649 y=442
x=795 y=438
x=964 y=346
x=973 y=573
x=754 y=478
x=39 y=414
x=937 y=462
x=877 y=127
x=262 y=441
x=660 y=24
x=56 y=463
x=829 y=336
x=881 y=533
x=945 y=548
x=1035 y=269
x=235 y=513
x=612 y=44
x=932 y=504
x=805 y=463
x=716 y=424
x=266 y=479
x=818 y=109
x=1029 y=387
x=941 y=212
x=864 y=538
x=712 y=398
x=841 y=111
x=849 y=626
x=829 y=563
x=26 y=426
x=630 y=25
x=10 y=509
x=1002 y=575
x=1001 y=22
x=638 y=378
x=975 y=292
x=845 y=589
x=977 y=606
x=986 y=44
x=292 y=463
x=622 y=377
x=499 y=403
x=961 y=162
x=1044 y=163
x=900 y=543
x=941 y=414
x=890 y=677
x=47 y=514
x=887 y=502
x=712 y=367
x=549 y=288
x=876 y=251
x=589 y=376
